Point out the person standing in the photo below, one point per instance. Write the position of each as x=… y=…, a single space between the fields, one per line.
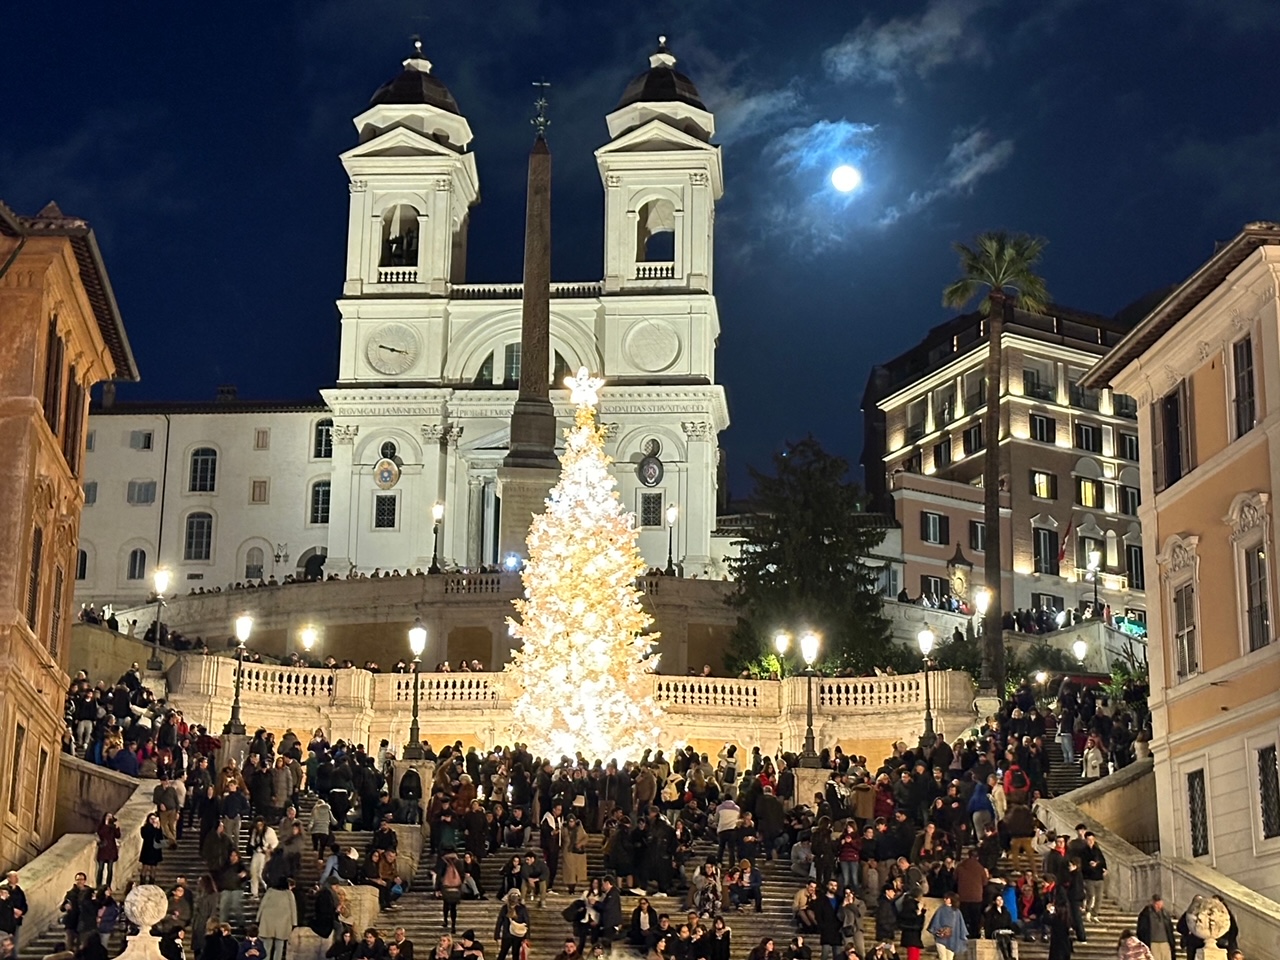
x=277 y=916
x=262 y=841
x=512 y=926
x=79 y=917
x=1093 y=867
x=830 y=927
x=911 y=925
x=152 y=852
x=165 y=797
x=573 y=851
x=549 y=837
x=108 y=851
x=950 y=934
x=971 y=883
x=18 y=897
x=1155 y=929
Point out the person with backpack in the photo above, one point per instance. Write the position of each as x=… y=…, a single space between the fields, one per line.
x=449 y=880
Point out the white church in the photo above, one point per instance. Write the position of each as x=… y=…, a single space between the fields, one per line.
x=417 y=423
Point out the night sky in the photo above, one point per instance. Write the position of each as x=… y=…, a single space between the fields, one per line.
x=201 y=141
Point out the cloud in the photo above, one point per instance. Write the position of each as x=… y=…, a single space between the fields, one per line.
x=1238 y=174
x=974 y=153
x=941 y=34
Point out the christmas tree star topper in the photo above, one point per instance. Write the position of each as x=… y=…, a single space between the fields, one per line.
x=584 y=388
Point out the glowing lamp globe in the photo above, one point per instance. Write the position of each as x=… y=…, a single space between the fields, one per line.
x=161 y=578
x=809 y=647
x=925 y=639
x=1081 y=649
x=417 y=638
x=244 y=627
x=308 y=638
x=781 y=641
x=846 y=178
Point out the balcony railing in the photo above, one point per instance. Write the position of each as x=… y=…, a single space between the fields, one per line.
x=1039 y=390
x=655 y=271
x=1084 y=399
x=397 y=274
x=514 y=291
x=1123 y=406
x=914 y=432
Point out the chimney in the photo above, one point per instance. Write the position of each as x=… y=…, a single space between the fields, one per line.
x=226 y=393
x=108 y=395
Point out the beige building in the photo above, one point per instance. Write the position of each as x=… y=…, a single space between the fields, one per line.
x=1071 y=480
x=62 y=334
x=1204 y=366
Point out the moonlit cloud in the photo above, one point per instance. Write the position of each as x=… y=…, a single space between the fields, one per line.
x=974 y=153
x=885 y=52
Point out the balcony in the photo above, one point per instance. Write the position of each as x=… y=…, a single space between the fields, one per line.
x=1083 y=399
x=1039 y=389
x=397 y=274
x=655 y=271
x=914 y=431
x=1123 y=406
x=974 y=400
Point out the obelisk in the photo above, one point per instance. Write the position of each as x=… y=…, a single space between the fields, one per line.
x=531 y=467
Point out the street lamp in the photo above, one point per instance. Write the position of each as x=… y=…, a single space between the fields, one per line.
x=780 y=643
x=672 y=512
x=1095 y=567
x=1041 y=677
x=437 y=514
x=1080 y=649
x=417 y=643
x=982 y=600
x=925 y=640
x=244 y=627
x=809 y=642
x=308 y=637
x=160 y=578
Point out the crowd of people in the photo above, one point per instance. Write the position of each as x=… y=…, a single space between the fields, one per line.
x=686 y=834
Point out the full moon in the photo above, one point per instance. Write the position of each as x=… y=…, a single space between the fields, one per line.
x=845 y=178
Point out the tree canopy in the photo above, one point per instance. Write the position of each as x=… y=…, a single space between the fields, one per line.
x=999 y=262
x=803 y=564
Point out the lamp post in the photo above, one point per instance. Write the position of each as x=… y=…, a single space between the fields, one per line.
x=809 y=642
x=925 y=640
x=780 y=643
x=982 y=600
x=417 y=643
x=308 y=637
x=244 y=626
x=672 y=512
x=1095 y=568
x=160 y=579
x=437 y=514
x=1080 y=649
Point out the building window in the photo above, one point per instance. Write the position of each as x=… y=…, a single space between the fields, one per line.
x=1128 y=446
x=55 y=355
x=935 y=528
x=1244 y=400
x=82 y=564
x=1045 y=542
x=1130 y=500
x=1124 y=406
x=388 y=450
x=140 y=492
x=1133 y=564
x=1172 y=437
x=978 y=536
x=1081 y=396
x=1089 y=493
x=262 y=438
x=973 y=439
x=15 y=769
x=1048 y=601
x=1089 y=437
x=1086 y=546
x=913 y=463
x=91 y=493
x=198 y=544
x=258 y=490
x=887 y=580
x=1044 y=429
x=1269 y=792
x=323 y=441
x=931 y=586
x=1044 y=485
x=975 y=390
x=33 y=578
x=915 y=420
x=384 y=511
x=89 y=439
x=320 y=501
x=254 y=559
x=1257 y=608
x=55 y=612
x=204 y=470
x=651 y=512
x=511 y=364
x=137 y=567
x=1184 y=630
x=140 y=439
x=484 y=378
x=1198 y=813
x=1037 y=383
x=942 y=454
x=42 y=776
x=944 y=406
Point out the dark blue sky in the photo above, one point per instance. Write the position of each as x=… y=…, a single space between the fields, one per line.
x=202 y=142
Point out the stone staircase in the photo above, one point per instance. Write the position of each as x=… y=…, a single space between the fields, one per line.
x=185 y=863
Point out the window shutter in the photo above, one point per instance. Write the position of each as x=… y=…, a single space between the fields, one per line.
x=1186 y=421
x=33 y=579
x=944 y=529
x=55 y=615
x=924 y=527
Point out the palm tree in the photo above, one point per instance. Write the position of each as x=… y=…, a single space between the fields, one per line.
x=1003 y=265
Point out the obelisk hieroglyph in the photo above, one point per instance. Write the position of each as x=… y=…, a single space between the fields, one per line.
x=530 y=468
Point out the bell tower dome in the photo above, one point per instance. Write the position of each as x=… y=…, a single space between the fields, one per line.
x=662 y=177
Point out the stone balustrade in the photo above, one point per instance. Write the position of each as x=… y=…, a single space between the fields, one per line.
x=476 y=707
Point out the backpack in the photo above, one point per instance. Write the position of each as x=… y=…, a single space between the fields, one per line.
x=452 y=879
x=1018 y=779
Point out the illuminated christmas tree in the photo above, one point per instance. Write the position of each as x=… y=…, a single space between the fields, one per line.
x=583 y=667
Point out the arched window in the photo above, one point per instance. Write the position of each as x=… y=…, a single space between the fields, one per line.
x=655 y=239
x=198 y=542
x=400 y=237
x=82 y=564
x=204 y=470
x=320 y=501
x=253 y=563
x=137 y=569
x=560 y=370
x=324 y=439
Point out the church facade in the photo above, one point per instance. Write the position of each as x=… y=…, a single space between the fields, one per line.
x=417 y=423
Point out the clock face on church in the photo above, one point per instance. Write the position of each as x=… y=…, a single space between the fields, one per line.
x=392 y=349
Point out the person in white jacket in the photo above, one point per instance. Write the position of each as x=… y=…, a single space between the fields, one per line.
x=1093 y=760
x=262 y=840
x=727 y=814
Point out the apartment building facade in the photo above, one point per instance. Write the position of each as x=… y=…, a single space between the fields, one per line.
x=1204 y=366
x=1070 y=488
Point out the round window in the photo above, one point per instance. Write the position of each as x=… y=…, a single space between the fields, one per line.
x=652 y=447
x=388 y=451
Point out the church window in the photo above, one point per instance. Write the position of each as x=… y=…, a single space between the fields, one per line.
x=262 y=438
x=253 y=562
x=204 y=470
x=82 y=564
x=320 y=491
x=651 y=510
x=656 y=224
x=198 y=543
x=258 y=491
x=400 y=237
x=485 y=377
x=137 y=567
x=560 y=370
x=324 y=440
x=652 y=447
x=388 y=451
x=384 y=511
x=511 y=364
x=91 y=493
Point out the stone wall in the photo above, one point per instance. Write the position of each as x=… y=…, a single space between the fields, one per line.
x=106 y=654
x=87 y=791
x=1124 y=802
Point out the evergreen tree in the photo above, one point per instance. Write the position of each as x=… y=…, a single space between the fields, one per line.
x=803 y=564
x=583 y=667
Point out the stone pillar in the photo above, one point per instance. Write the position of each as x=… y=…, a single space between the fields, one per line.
x=453 y=535
x=362 y=907
x=426 y=773
x=810 y=780
x=475 y=521
x=341 y=512
x=233 y=746
x=698 y=512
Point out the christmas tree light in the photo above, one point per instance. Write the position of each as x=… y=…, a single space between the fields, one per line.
x=583 y=666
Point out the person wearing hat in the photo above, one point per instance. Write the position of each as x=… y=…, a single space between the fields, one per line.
x=512 y=926
x=472 y=949
x=573 y=852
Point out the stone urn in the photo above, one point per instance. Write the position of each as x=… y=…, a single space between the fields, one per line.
x=145 y=906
